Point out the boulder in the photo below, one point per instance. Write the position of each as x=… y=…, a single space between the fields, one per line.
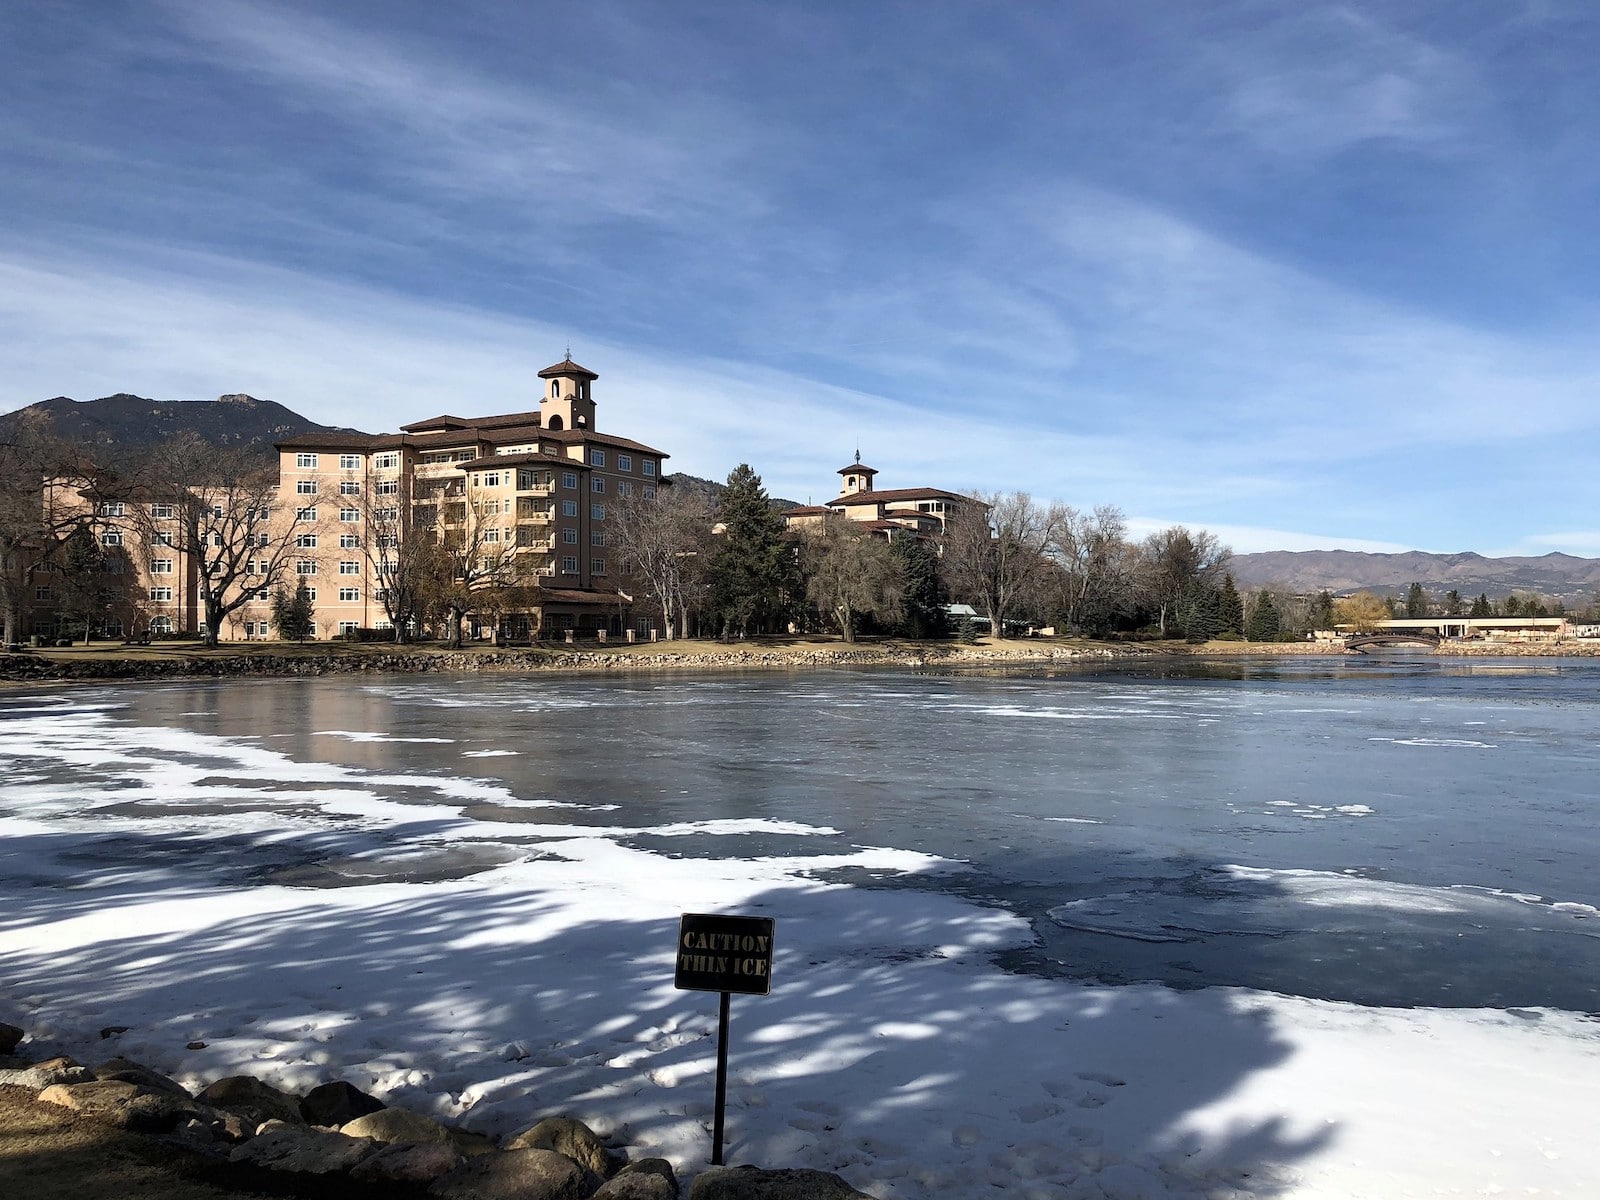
x=651 y=1166
x=566 y=1136
x=336 y=1104
x=120 y=1105
x=517 y=1175
x=125 y=1070
x=753 y=1183
x=42 y=1075
x=303 y=1150
x=252 y=1100
x=10 y=1035
x=391 y=1125
x=640 y=1185
x=414 y=1162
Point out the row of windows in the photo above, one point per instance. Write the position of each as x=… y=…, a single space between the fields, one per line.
x=347 y=462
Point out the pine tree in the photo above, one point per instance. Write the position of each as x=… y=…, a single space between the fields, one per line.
x=1322 y=611
x=293 y=613
x=924 y=599
x=1481 y=606
x=1230 y=608
x=1416 y=602
x=1452 y=603
x=1265 y=623
x=83 y=593
x=752 y=575
x=1199 y=613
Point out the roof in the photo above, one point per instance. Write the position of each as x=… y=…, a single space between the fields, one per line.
x=567 y=367
x=327 y=441
x=549 y=595
x=603 y=439
x=443 y=421
x=892 y=494
x=857 y=468
x=526 y=459
x=807 y=510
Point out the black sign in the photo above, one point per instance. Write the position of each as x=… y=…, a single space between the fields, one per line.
x=724 y=954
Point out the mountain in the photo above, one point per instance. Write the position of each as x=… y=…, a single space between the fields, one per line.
x=713 y=490
x=124 y=420
x=1559 y=576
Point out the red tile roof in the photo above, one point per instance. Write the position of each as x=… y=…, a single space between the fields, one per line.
x=891 y=494
x=567 y=367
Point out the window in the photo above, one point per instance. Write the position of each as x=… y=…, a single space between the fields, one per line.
x=161 y=566
x=163 y=539
x=569 y=508
x=491 y=535
x=350 y=462
x=311 y=593
x=569 y=536
x=648 y=466
x=306 y=487
x=348 y=594
x=597 y=484
x=110 y=509
x=624 y=462
x=349 y=515
x=386 y=514
x=305 y=541
x=348 y=627
x=349 y=487
x=216 y=541
x=305 y=462
x=597 y=512
x=490 y=479
x=624 y=488
x=387 y=487
x=161 y=595
x=597 y=566
x=349 y=567
x=216 y=512
x=111 y=537
x=385 y=461
x=263 y=594
x=569 y=564
x=569 y=479
x=349 y=541
x=161 y=512
x=597 y=458
x=42 y=592
x=597 y=537
x=305 y=514
x=255 y=566
x=649 y=492
x=305 y=566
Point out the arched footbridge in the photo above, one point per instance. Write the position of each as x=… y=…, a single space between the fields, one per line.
x=1363 y=642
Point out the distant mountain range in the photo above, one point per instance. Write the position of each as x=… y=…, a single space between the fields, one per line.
x=1559 y=576
x=238 y=420
x=125 y=420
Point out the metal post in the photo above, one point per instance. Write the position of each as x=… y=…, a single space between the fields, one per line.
x=722 y=1081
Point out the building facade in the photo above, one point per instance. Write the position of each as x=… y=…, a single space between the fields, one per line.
x=518 y=504
x=895 y=512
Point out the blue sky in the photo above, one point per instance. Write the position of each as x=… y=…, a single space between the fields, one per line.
x=1308 y=275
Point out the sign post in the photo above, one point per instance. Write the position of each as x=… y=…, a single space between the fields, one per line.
x=726 y=955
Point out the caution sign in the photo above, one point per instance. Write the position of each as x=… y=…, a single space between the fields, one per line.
x=724 y=954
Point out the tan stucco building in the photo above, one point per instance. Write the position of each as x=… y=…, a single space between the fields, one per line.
x=891 y=513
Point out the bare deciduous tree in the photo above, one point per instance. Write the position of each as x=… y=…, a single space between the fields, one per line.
x=849 y=573
x=661 y=541
x=996 y=552
x=1175 y=562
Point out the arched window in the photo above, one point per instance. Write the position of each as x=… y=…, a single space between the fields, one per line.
x=555 y=423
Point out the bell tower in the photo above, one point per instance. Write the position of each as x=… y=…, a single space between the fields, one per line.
x=566 y=402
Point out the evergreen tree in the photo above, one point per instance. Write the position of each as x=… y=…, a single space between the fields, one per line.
x=1230 y=608
x=1265 y=623
x=1199 y=612
x=1481 y=606
x=924 y=598
x=1512 y=607
x=293 y=613
x=82 y=594
x=1416 y=602
x=1452 y=603
x=1322 y=610
x=752 y=575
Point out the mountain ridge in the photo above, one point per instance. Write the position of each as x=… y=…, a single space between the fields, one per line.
x=1557 y=575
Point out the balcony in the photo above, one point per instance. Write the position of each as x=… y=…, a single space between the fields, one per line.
x=528 y=511
x=539 y=487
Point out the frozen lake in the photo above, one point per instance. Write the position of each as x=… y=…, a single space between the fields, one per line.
x=1403 y=831
x=1237 y=929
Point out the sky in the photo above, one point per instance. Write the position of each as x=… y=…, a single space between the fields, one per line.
x=1306 y=275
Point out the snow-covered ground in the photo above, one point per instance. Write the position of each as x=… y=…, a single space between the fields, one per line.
x=891 y=1049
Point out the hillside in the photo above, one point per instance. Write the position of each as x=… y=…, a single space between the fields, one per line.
x=127 y=420
x=1560 y=576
